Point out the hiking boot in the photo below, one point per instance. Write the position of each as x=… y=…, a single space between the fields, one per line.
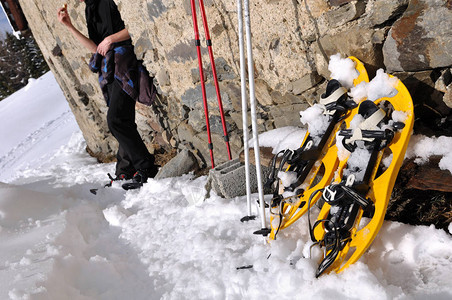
x=141 y=177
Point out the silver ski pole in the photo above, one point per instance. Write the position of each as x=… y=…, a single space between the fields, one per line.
x=244 y=109
x=254 y=119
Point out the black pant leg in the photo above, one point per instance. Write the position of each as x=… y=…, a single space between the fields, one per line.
x=121 y=122
x=124 y=163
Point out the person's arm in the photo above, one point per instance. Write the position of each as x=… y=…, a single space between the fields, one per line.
x=64 y=19
x=114 y=38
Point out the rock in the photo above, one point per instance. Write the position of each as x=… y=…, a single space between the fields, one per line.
x=141 y=46
x=196 y=119
x=235 y=95
x=288 y=98
x=433 y=116
x=216 y=125
x=237 y=118
x=292 y=99
x=167 y=137
x=265 y=157
x=345 y=13
x=277 y=97
x=269 y=125
x=200 y=142
x=443 y=81
x=224 y=71
x=195 y=75
x=355 y=41
x=339 y=2
x=318 y=7
x=287 y=115
x=192 y=98
x=428 y=101
x=313 y=95
x=421 y=39
x=448 y=96
x=56 y=51
x=381 y=11
x=163 y=78
x=155 y=9
x=181 y=52
x=379 y=36
x=183 y=163
x=185 y=132
x=228 y=179
x=173 y=142
x=262 y=93
x=176 y=111
x=305 y=83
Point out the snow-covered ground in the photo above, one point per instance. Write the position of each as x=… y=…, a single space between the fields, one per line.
x=59 y=241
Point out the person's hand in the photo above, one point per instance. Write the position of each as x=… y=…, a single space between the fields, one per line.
x=104 y=46
x=63 y=16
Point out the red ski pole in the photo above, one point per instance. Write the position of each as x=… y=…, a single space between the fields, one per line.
x=214 y=73
x=201 y=75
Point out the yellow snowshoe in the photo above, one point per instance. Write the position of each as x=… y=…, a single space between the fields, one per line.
x=364 y=180
x=314 y=159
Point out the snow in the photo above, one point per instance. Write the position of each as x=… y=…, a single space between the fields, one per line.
x=59 y=241
x=317 y=121
x=422 y=147
x=399 y=116
x=343 y=70
x=281 y=138
x=357 y=163
x=36 y=118
x=382 y=85
x=287 y=178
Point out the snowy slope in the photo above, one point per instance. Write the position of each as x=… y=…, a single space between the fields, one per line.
x=59 y=241
x=35 y=122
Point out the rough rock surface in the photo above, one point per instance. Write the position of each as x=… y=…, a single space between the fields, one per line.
x=183 y=163
x=382 y=11
x=422 y=38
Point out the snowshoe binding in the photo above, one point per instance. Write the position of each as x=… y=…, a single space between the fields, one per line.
x=376 y=143
x=297 y=176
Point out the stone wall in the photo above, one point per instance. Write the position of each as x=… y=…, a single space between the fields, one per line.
x=292 y=42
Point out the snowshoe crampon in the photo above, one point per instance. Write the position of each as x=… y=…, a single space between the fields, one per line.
x=315 y=158
x=363 y=189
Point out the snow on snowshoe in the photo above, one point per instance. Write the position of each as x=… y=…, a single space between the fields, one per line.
x=376 y=142
x=297 y=181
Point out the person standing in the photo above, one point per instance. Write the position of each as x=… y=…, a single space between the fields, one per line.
x=120 y=77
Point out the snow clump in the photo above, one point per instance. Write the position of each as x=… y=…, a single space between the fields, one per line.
x=382 y=85
x=315 y=119
x=343 y=70
x=421 y=148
